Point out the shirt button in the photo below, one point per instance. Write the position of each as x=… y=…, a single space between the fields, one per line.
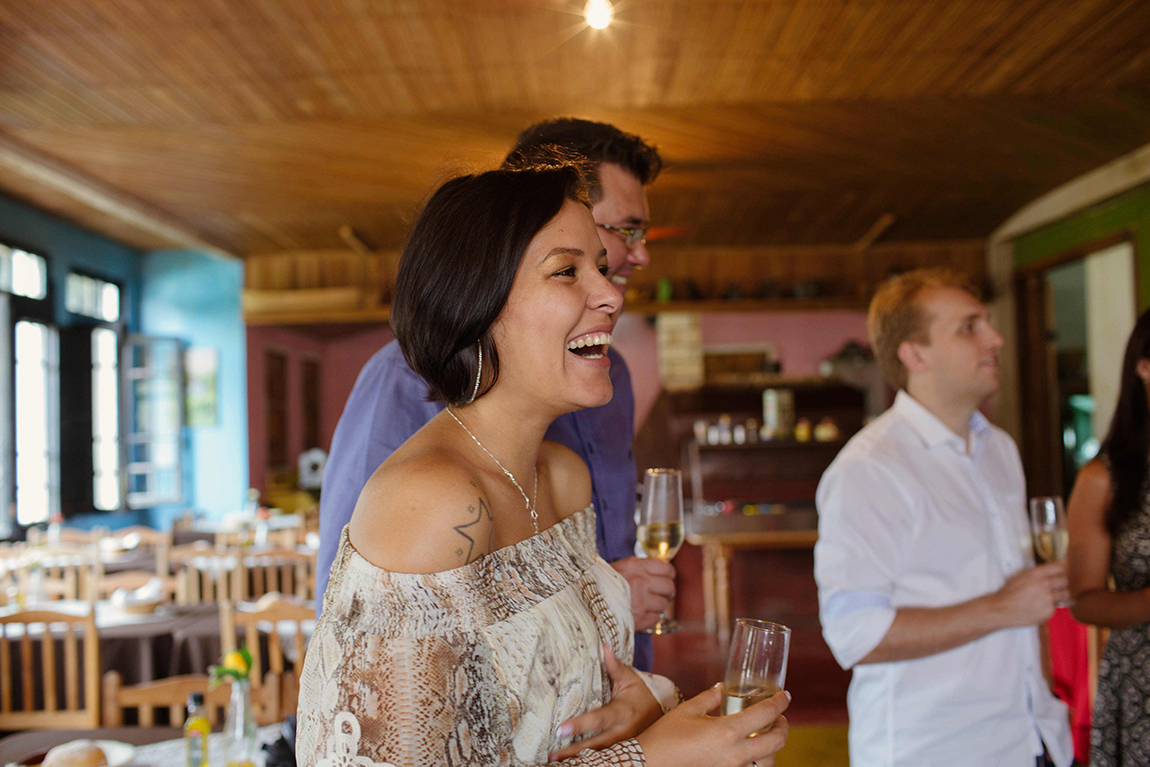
x=591 y=450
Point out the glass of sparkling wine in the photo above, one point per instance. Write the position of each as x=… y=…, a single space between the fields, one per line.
x=661 y=524
x=756 y=665
x=1048 y=528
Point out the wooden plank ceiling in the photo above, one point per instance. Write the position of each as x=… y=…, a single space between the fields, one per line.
x=264 y=125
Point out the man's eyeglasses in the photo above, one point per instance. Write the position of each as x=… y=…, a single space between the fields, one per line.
x=631 y=236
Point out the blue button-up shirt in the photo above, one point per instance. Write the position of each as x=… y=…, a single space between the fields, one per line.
x=389 y=404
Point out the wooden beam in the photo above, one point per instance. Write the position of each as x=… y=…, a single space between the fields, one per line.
x=362 y=252
x=42 y=170
x=883 y=223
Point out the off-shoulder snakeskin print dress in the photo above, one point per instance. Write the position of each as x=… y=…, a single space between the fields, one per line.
x=1120 y=733
x=473 y=666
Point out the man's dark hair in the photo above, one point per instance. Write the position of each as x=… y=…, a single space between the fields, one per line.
x=594 y=142
x=459 y=263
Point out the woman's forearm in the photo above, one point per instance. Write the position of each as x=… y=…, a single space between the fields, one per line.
x=1112 y=609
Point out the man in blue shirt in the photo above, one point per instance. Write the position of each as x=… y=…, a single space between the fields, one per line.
x=389 y=401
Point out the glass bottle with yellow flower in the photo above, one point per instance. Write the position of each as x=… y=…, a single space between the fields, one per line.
x=240 y=725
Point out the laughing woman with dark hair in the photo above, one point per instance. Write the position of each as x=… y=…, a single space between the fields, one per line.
x=469 y=619
x=1109 y=518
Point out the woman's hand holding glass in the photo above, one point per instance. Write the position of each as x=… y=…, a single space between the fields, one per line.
x=756 y=664
x=687 y=736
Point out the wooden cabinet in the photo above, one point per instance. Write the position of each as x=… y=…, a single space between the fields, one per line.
x=780 y=476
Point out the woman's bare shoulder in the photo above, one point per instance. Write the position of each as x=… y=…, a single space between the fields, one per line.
x=1094 y=477
x=423 y=513
x=1091 y=496
x=569 y=477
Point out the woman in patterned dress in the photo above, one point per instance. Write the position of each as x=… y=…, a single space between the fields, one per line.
x=469 y=619
x=1109 y=517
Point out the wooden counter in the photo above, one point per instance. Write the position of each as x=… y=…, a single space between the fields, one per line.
x=720 y=536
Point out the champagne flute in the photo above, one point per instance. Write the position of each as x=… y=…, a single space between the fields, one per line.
x=756 y=664
x=1049 y=531
x=1048 y=526
x=660 y=531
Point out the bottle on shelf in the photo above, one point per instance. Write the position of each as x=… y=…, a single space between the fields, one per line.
x=196 y=730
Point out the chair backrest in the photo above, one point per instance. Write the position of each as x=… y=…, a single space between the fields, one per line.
x=146 y=698
x=213 y=577
x=56 y=575
x=65 y=536
x=39 y=684
x=149 y=539
x=286 y=571
x=147 y=536
x=172 y=694
x=132 y=580
x=177 y=555
x=277 y=615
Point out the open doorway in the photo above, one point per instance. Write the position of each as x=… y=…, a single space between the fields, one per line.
x=1075 y=314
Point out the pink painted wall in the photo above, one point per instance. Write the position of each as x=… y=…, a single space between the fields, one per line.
x=802 y=339
x=634 y=338
x=343 y=360
x=340 y=362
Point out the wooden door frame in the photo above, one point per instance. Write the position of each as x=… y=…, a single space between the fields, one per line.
x=1040 y=427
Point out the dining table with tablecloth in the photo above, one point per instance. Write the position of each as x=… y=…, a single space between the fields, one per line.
x=170 y=641
x=154 y=746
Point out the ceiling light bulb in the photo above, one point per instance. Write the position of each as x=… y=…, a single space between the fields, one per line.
x=598 y=13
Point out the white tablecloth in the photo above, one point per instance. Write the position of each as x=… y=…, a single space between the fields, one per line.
x=170 y=753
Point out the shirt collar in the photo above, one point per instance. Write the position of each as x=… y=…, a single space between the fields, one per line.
x=933 y=431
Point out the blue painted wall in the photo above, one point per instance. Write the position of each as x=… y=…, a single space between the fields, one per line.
x=186 y=294
x=196 y=297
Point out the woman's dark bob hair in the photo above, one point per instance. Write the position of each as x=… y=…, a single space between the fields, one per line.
x=458 y=266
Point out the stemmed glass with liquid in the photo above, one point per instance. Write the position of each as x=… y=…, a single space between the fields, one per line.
x=1048 y=526
x=1049 y=531
x=756 y=664
x=660 y=531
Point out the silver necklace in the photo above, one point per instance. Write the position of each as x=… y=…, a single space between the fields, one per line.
x=510 y=476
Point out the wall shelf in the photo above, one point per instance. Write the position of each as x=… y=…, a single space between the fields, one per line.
x=775 y=444
x=822 y=303
x=320 y=316
x=370 y=316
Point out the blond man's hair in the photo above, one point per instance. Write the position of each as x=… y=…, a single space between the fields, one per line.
x=896 y=315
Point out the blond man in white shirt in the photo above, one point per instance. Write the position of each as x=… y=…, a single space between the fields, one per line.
x=927 y=584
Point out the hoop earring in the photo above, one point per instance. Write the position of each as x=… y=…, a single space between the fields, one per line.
x=478 y=374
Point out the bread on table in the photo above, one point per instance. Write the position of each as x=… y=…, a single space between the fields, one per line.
x=78 y=753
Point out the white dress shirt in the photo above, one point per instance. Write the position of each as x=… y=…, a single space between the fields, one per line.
x=908 y=518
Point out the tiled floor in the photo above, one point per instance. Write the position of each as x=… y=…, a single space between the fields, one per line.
x=771 y=585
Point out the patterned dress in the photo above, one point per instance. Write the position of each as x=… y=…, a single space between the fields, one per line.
x=1120 y=734
x=473 y=666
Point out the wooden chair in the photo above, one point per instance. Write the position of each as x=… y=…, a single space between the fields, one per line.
x=150 y=540
x=132 y=580
x=214 y=577
x=60 y=576
x=148 y=537
x=234 y=539
x=272 y=612
x=68 y=536
x=75 y=713
x=178 y=555
x=287 y=571
x=172 y=694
